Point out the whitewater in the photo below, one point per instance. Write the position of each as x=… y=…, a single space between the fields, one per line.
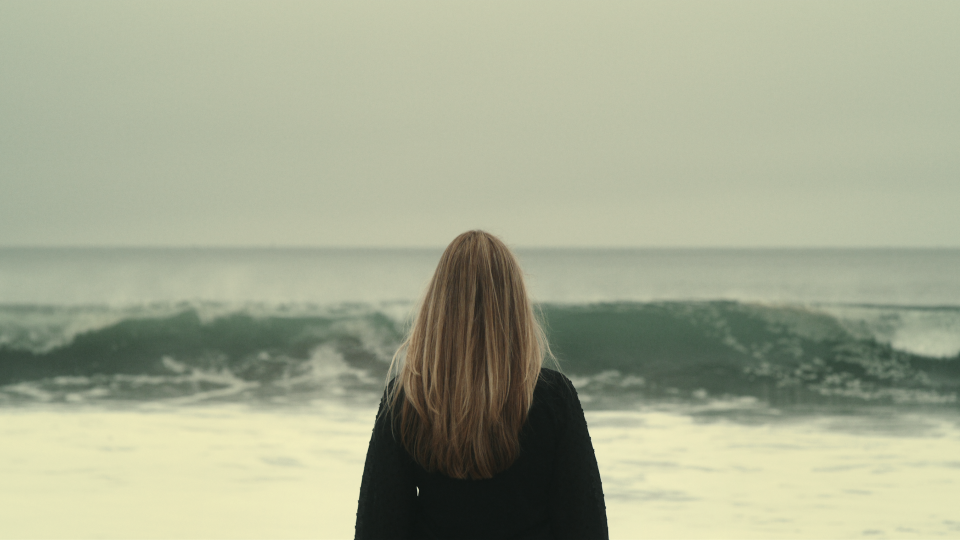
x=229 y=393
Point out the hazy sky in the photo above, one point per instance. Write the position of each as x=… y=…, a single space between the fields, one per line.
x=550 y=123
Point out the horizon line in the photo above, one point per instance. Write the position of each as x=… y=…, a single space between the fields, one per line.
x=441 y=247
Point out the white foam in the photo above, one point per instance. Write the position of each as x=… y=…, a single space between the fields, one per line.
x=29 y=390
x=928 y=332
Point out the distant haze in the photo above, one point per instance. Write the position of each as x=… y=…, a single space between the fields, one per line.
x=549 y=123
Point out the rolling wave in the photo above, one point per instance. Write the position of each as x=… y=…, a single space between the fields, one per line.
x=615 y=353
x=779 y=354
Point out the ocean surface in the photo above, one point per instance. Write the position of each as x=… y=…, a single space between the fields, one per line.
x=230 y=393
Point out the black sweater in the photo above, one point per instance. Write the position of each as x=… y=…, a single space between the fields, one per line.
x=553 y=490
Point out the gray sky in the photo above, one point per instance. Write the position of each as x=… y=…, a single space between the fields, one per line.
x=549 y=123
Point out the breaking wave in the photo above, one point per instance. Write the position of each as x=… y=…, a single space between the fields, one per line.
x=615 y=352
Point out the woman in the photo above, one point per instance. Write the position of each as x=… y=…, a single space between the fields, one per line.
x=473 y=438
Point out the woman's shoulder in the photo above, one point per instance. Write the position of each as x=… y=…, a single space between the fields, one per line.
x=556 y=387
x=553 y=379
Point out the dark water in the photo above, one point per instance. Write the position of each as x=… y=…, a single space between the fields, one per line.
x=618 y=352
x=780 y=326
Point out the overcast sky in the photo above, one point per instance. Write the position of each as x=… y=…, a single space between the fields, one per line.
x=550 y=123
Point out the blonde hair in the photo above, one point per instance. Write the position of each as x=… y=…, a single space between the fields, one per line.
x=472 y=361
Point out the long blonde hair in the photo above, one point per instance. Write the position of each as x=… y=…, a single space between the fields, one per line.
x=472 y=361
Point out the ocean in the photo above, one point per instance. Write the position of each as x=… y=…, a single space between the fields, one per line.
x=230 y=393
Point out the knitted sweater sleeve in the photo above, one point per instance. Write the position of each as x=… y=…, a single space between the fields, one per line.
x=388 y=490
x=577 y=507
